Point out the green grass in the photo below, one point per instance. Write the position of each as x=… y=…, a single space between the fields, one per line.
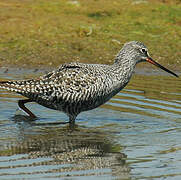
x=46 y=33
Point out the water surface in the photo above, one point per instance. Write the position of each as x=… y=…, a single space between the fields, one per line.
x=136 y=135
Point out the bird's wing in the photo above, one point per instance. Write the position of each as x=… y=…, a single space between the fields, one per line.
x=70 y=78
x=71 y=82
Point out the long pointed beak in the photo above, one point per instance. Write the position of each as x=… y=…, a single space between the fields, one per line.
x=150 y=60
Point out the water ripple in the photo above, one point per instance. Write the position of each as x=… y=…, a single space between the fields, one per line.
x=133 y=135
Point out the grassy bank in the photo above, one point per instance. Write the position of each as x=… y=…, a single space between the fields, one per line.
x=39 y=32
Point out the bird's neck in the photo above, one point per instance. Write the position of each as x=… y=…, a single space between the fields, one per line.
x=124 y=68
x=122 y=73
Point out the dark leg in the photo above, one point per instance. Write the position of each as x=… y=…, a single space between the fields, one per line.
x=22 y=106
x=72 y=121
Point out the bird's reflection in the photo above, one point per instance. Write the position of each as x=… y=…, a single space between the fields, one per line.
x=87 y=151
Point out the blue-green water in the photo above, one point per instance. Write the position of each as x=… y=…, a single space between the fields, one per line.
x=136 y=135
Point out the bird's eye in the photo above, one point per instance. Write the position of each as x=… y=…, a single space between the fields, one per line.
x=143 y=50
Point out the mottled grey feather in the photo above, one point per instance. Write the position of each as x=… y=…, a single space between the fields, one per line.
x=77 y=87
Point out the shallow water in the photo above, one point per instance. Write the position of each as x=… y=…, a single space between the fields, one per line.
x=136 y=135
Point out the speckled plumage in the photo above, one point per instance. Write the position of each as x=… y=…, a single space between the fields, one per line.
x=77 y=87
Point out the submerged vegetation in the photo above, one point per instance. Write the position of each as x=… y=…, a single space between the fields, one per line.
x=38 y=32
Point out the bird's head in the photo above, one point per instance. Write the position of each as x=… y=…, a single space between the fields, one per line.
x=134 y=52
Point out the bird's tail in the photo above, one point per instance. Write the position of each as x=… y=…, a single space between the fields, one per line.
x=14 y=86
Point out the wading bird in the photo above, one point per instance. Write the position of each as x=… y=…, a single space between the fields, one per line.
x=77 y=87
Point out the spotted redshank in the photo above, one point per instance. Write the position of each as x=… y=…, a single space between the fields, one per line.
x=77 y=87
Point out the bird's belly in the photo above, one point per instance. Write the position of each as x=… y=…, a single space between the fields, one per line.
x=95 y=102
x=75 y=106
